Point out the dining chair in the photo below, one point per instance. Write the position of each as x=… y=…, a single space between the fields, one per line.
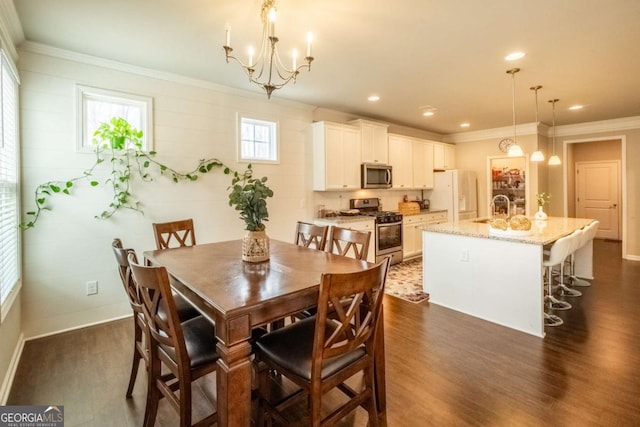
x=174 y=234
x=186 y=351
x=345 y=242
x=320 y=353
x=311 y=235
x=185 y=310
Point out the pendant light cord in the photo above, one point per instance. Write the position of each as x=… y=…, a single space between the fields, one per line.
x=513 y=91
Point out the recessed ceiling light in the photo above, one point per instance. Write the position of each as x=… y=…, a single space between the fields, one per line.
x=514 y=56
x=428 y=113
x=465 y=125
x=373 y=98
x=576 y=107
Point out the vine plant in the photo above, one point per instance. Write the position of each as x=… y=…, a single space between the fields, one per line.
x=120 y=144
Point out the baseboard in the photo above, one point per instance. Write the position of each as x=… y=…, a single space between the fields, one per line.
x=11 y=372
x=75 y=328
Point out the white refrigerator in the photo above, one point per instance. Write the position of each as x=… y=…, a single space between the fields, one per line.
x=455 y=191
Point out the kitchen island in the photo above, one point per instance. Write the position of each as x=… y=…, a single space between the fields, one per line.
x=499 y=278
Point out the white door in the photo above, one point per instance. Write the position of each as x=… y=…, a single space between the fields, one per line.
x=598 y=196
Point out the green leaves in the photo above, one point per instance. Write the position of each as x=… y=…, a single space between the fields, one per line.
x=118 y=141
x=248 y=195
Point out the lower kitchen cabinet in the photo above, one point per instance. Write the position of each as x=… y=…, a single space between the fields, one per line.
x=412 y=231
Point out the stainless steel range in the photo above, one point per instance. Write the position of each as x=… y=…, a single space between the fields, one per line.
x=387 y=238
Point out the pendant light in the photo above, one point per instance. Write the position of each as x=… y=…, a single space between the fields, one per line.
x=537 y=156
x=514 y=149
x=554 y=160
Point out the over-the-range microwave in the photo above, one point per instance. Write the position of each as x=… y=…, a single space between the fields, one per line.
x=374 y=175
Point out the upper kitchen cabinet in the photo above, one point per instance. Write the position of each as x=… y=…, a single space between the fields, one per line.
x=401 y=160
x=373 y=140
x=422 y=164
x=336 y=157
x=444 y=156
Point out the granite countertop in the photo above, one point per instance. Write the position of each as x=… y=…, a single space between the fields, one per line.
x=341 y=219
x=426 y=211
x=542 y=232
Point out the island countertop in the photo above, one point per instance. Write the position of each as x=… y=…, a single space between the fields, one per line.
x=542 y=232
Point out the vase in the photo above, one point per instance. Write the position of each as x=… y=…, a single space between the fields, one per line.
x=255 y=246
x=540 y=215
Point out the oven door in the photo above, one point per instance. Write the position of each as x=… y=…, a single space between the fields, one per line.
x=389 y=241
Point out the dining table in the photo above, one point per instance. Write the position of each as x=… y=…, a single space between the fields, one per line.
x=240 y=296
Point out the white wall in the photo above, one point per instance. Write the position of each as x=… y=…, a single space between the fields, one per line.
x=192 y=121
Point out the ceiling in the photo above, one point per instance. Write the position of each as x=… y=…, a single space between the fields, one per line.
x=448 y=54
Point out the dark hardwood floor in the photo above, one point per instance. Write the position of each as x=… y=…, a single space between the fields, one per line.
x=443 y=368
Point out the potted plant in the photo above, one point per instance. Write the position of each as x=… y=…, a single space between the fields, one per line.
x=249 y=196
x=543 y=199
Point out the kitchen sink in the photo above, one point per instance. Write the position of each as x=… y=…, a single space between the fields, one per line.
x=482 y=220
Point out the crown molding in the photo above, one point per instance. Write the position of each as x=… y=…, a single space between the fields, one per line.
x=11 y=34
x=42 y=49
x=502 y=132
x=613 y=125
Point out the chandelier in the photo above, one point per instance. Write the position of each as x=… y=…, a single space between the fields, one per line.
x=266 y=68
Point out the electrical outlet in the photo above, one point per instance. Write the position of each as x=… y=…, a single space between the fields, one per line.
x=92 y=287
x=464 y=256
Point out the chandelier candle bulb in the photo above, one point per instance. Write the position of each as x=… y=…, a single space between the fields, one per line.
x=250 y=56
x=227 y=35
x=294 y=56
x=272 y=22
x=309 y=40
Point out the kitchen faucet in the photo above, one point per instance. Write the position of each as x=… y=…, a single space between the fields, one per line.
x=492 y=206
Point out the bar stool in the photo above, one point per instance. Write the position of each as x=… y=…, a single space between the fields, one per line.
x=575 y=239
x=557 y=253
x=588 y=234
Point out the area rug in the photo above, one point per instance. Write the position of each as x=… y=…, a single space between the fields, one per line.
x=405 y=281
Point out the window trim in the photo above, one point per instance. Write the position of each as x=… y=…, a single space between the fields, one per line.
x=14 y=290
x=263 y=118
x=84 y=93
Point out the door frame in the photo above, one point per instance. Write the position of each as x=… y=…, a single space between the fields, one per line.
x=622 y=179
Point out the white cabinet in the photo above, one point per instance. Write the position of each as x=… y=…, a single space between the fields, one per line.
x=444 y=156
x=412 y=231
x=422 y=164
x=412 y=161
x=373 y=141
x=364 y=225
x=400 y=158
x=336 y=157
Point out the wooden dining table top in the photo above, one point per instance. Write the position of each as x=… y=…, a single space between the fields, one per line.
x=217 y=274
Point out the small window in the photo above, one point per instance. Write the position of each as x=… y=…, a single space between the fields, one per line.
x=96 y=106
x=258 y=140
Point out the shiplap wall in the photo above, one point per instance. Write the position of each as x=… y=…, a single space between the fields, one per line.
x=191 y=121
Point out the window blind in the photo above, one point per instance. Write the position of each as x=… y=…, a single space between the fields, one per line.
x=9 y=197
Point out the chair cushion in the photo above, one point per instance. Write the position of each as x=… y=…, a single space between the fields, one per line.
x=292 y=347
x=200 y=340
x=185 y=310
